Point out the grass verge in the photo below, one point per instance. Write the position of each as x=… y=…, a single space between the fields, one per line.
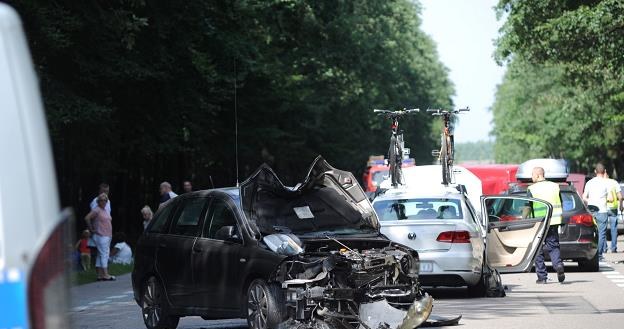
x=83 y=277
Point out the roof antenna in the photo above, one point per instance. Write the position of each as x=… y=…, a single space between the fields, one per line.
x=235 y=123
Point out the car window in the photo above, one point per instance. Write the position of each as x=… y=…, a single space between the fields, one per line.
x=507 y=209
x=571 y=201
x=220 y=215
x=421 y=208
x=160 y=219
x=187 y=219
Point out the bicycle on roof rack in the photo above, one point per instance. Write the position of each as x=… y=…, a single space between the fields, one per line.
x=395 y=151
x=446 y=154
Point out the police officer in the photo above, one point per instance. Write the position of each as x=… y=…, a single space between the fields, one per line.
x=548 y=191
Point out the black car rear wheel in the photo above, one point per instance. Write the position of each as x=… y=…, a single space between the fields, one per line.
x=590 y=265
x=265 y=305
x=154 y=306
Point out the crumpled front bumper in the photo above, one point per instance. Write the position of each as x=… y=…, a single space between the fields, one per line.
x=380 y=314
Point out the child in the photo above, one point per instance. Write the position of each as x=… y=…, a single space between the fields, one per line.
x=85 y=252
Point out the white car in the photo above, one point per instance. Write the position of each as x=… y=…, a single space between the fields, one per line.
x=457 y=246
x=442 y=225
x=33 y=232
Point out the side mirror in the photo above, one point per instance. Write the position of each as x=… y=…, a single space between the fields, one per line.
x=227 y=233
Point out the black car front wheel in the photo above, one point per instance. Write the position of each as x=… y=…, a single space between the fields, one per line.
x=265 y=305
x=154 y=306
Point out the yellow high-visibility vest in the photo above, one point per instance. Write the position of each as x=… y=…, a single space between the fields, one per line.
x=547 y=191
x=613 y=192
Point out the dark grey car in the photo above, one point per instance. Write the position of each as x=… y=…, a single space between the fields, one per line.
x=311 y=255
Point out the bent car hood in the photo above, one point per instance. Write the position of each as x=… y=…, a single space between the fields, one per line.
x=328 y=200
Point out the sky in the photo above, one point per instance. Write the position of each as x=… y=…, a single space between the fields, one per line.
x=464 y=32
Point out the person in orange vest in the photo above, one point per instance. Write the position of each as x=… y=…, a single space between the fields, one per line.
x=547 y=191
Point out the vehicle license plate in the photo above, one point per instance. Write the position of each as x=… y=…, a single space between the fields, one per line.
x=426 y=267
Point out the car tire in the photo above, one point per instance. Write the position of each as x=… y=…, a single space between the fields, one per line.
x=266 y=305
x=154 y=307
x=478 y=290
x=590 y=265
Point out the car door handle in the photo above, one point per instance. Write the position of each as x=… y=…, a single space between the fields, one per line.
x=198 y=249
x=162 y=245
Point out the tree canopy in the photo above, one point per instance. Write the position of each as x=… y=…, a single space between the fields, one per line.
x=563 y=94
x=141 y=91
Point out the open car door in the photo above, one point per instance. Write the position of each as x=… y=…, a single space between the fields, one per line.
x=516 y=227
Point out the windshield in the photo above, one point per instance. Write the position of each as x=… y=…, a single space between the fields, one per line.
x=415 y=209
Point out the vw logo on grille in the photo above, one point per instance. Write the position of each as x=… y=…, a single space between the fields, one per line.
x=411 y=236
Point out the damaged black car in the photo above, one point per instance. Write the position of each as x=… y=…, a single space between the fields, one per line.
x=307 y=256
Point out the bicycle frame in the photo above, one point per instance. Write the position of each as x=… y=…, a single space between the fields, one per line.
x=446 y=154
x=395 y=151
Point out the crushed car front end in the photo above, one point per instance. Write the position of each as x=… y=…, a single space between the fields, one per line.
x=347 y=284
x=340 y=272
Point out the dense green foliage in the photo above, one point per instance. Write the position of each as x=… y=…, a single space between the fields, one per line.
x=139 y=91
x=563 y=93
x=479 y=152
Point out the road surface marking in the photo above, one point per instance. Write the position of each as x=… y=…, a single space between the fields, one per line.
x=610 y=272
x=621 y=285
x=615 y=277
x=117 y=297
x=99 y=302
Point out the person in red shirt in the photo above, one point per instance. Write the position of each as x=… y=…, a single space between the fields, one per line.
x=85 y=253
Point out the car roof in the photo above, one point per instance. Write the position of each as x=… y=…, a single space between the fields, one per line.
x=405 y=192
x=233 y=192
x=522 y=187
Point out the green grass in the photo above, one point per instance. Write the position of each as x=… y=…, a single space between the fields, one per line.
x=83 y=277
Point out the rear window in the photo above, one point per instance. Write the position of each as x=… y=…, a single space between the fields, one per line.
x=421 y=208
x=571 y=201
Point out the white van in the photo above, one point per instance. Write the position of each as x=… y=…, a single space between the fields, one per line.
x=33 y=231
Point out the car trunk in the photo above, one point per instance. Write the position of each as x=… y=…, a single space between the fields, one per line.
x=420 y=235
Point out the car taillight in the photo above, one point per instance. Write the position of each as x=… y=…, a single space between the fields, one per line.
x=582 y=219
x=454 y=237
x=48 y=283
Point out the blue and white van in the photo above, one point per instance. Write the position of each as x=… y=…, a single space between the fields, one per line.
x=33 y=231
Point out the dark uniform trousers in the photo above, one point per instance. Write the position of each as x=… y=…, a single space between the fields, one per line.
x=550 y=246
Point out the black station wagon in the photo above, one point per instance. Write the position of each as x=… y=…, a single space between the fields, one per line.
x=306 y=257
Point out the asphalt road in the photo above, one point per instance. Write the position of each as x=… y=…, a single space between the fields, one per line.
x=585 y=300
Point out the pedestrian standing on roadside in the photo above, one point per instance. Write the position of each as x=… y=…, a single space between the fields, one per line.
x=166 y=193
x=548 y=191
x=147 y=214
x=595 y=194
x=99 y=223
x=614 y=202
x=187 y=186
x=103 y=188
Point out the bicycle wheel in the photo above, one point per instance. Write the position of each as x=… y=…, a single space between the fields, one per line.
x=444 y=162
